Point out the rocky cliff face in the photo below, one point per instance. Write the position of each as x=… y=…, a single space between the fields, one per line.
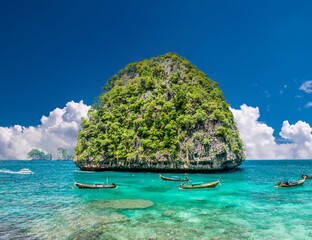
x=160 y=114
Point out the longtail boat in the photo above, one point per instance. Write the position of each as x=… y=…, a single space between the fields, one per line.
x=95 y=185
x=196 y=185
x=291 y=183
x=306 y=175
x=175 y=178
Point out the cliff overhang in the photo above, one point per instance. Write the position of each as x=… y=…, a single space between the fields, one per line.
x=162 y=167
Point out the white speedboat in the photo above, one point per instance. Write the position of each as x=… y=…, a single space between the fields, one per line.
x=25 y=171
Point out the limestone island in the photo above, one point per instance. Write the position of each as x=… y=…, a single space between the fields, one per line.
x=36 y=154
x=159 y=115
x=61 y=154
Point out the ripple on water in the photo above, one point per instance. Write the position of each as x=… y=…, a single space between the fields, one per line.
x=155 y=189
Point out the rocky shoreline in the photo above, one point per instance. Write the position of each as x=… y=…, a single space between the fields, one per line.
x=162 y=167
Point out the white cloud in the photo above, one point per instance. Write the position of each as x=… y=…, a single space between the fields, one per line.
x=282 y=91
x=260 y=143
x=309 y=104
x=267 y=94
x=306 y=86
x=58 y=129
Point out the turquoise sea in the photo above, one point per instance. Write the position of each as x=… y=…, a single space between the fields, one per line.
x=246 y=205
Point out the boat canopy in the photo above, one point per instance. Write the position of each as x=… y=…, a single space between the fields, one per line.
x=197 y=183
x=290 y=182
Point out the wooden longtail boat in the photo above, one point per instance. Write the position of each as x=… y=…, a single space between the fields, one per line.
x=175 y=178
x=290 y=183
x=306 y=175
x=200 y=185
x=95 y=186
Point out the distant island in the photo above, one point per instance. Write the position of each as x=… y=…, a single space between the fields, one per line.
x=61 y=154
x=36 y=154
x=160 y=114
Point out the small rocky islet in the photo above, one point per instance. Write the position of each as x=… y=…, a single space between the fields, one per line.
x=159 y=115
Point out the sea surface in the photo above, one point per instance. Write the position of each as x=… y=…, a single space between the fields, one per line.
x=44 y=205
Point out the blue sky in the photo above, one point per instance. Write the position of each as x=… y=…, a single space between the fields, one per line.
x=57 y=51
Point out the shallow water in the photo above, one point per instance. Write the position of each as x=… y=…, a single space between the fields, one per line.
x=43 y=205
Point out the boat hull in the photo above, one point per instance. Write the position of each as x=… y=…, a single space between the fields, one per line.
x=207 y=185
x=86 y=186
x=172 y=179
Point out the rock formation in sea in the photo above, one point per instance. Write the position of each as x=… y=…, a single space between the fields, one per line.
x=61 y=154
x=36 y=154
x=163 y=115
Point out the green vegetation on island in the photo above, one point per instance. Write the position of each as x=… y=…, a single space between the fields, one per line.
x=159 y=110
x=36 y=154
x=61 y=154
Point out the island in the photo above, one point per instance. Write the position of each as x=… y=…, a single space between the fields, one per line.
x=61 y=154
x=159 y=115
x=36 y=154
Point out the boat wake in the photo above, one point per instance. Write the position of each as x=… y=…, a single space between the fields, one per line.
x=8 y=171
x=20 y=172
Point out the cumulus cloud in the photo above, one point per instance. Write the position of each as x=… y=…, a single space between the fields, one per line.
x=306 y=86
x=57 y=129
x=260 y=143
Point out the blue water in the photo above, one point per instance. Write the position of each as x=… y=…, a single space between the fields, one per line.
x=246 y=205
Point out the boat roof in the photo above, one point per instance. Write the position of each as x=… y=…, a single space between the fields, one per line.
x=290 y=181
x=197 y=183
